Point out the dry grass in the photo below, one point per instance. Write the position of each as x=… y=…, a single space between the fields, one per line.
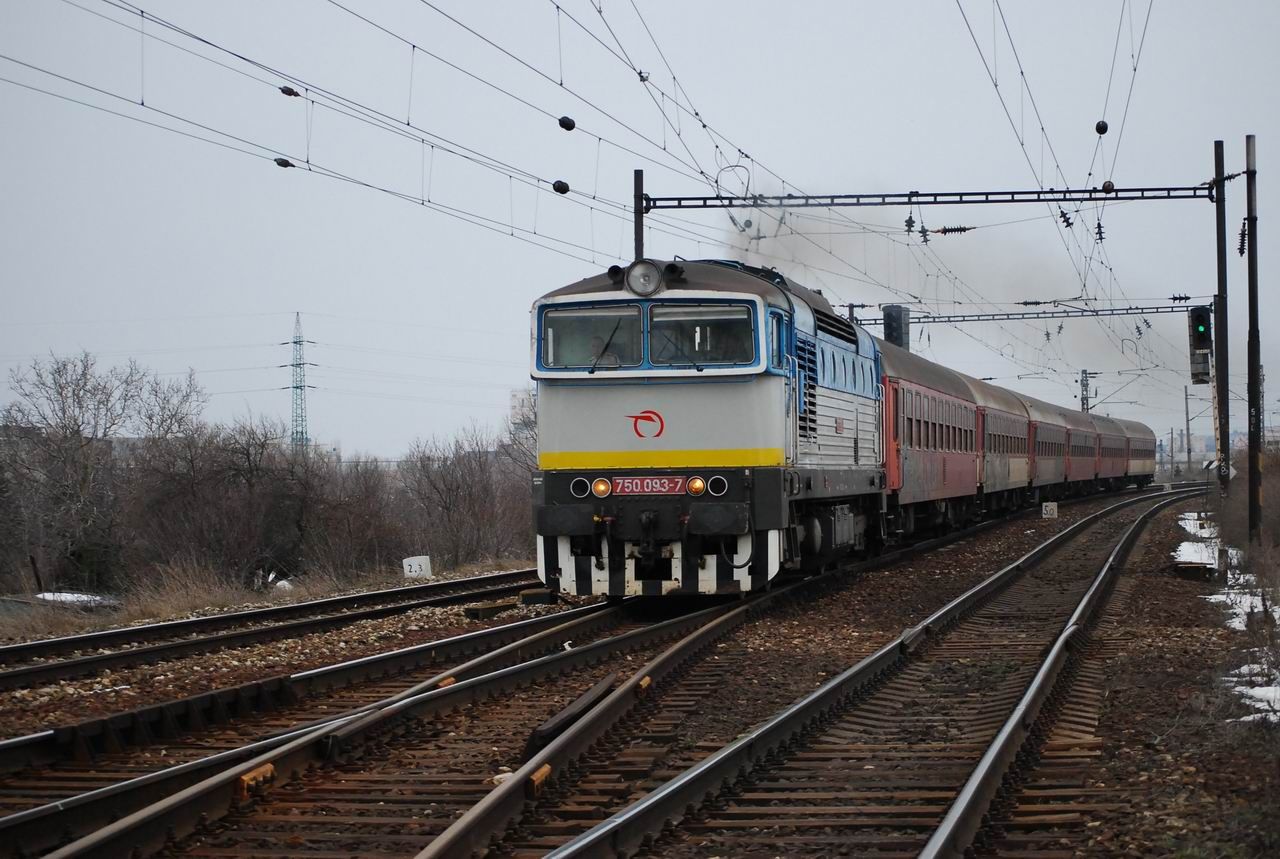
x=186 y=588
x=25 y=622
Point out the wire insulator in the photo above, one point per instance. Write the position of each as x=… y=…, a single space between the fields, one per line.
x=910 y=223
x=284 y=162
x=1244 y=236
x=290 y=91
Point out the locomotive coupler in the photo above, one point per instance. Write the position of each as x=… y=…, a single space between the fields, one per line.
x=648 y=548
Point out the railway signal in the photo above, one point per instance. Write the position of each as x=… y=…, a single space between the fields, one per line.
x=1200 y=337
x=1200 y=321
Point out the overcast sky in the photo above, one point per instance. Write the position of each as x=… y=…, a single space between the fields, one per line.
x=132 y=241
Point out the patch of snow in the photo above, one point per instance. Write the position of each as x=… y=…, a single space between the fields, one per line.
x=1266 y=699
x=1199 y=524
x=76 y=599
x=1196 y=552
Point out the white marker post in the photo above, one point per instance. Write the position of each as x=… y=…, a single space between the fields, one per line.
x=418 y=567
x=1049 y=510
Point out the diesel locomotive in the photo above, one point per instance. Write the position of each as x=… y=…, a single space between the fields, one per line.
x=705 y=425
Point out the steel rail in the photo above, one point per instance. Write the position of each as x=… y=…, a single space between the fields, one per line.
x=27 y=650
x=964 y=818
x=36 y=829
x=85 y=740
x=179 y=814
x=628 y=830
x=501 y=807
x=471 y=833
x=383 y=664
x=47 y=672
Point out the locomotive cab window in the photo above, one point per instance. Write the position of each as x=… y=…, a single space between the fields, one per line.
x=600 y=337
x=701 y=334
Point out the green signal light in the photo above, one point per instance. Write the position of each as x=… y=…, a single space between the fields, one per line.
x=1200 y=328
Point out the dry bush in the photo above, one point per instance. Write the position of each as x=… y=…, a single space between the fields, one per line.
x=473 y=504
x=110 y=482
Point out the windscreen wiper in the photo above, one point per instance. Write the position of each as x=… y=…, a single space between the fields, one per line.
x=605 y=347
x=683 y=353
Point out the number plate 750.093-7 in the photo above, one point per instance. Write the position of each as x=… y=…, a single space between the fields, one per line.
x=648 y=485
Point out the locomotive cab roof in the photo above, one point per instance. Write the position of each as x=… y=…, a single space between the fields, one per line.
x=702 y=275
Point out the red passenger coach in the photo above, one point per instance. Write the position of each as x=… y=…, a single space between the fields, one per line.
x=1112 y=450
x=935 y=472
x=1004 y=464
x=1049 y=446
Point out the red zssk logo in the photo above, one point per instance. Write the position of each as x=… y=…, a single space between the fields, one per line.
x=647 y=424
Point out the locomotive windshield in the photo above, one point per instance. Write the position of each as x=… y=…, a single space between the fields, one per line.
x=592 y=337
x=700 y=334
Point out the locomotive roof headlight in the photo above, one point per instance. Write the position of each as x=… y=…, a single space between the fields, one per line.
x=717 y=486
x=579 y=487
x=644 y=278
x=696 y=486
x=601 y=487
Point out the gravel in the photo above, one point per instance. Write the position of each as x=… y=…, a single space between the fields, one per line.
x=796 y=648
x=24 y=711
x=1198 y=782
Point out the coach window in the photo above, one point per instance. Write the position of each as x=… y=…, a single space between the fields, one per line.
x=904 y=416
x=922 y=421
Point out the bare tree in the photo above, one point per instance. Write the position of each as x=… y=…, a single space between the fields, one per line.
x=63 y=440
x=521 y=442
x=465 y=495
x=109 y=477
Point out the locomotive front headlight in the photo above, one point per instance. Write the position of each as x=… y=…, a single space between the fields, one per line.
x=696 y=486
x=601 y=487
x=717 y=486
x=644 y=278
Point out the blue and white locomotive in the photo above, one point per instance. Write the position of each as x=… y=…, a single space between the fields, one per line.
x=704 y=425
x=701 y=426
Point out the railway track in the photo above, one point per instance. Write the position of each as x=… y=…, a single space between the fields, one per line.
x=93 y=772
x=659 y=695
x=906 y=753
x=224 y=786
x=45 y=661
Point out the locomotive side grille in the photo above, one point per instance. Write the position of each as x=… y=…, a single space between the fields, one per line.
x=835 y=326
x=807 y=358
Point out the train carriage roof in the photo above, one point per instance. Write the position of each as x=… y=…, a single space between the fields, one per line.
x=1134 y=429
x=1107 y=425
x=1048 y=413
x=901 y=364
x=990 y=396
